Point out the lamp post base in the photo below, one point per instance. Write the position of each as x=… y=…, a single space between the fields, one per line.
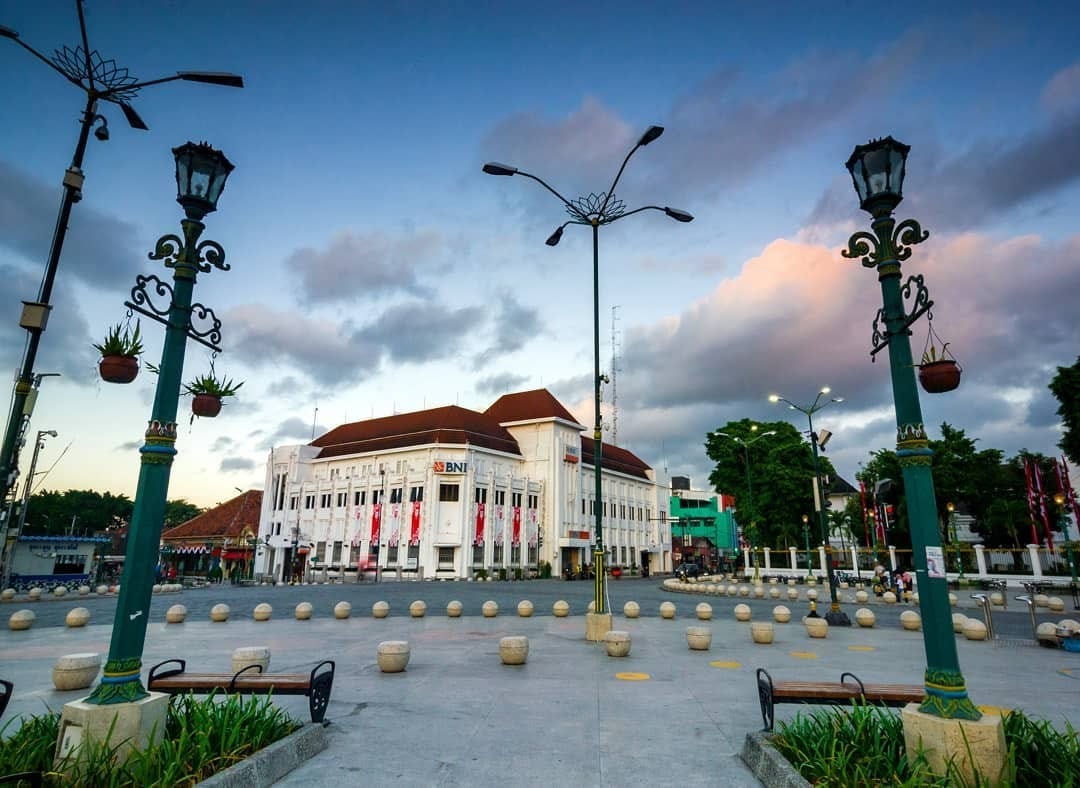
x=597 y=625
x=124 y=727
x=974 y=748
x=837 y=617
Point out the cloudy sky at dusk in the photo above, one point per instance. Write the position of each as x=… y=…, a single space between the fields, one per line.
x=375 y=269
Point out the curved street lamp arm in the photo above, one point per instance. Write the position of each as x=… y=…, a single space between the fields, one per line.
x=14 y=37
x=618 y=175
x=569 y=205
x=638 y=210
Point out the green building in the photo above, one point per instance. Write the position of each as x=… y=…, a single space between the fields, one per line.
x=701 y=532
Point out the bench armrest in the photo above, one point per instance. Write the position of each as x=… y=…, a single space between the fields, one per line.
x=155 y=674
x=257 y=668
x=6 y=688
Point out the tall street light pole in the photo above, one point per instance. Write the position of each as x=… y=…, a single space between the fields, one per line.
x=595 y=211
x=201 y=173
x=877 y=171
x=835 y=616
x=750 y=490
x=100 y=80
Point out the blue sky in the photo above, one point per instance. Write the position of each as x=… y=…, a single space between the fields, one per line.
x=375 y=268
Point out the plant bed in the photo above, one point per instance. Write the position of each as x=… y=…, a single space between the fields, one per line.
x=202 y=737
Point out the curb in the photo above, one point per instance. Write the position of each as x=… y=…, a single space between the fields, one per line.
x=273 y=762
x=767 y=764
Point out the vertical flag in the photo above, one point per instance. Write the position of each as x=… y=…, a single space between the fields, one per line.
x=1041 y=503
x=1070 y=494
x=515 y=539
x=862 y=500
x=395 y=522
x=534 y=529
x=414 y=530
x=478 y=539
x=376 y=523
x=1031 y=501
x=500 y=524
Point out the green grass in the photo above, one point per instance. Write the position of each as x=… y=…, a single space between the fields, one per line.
x=864 y=746
x=202 y=737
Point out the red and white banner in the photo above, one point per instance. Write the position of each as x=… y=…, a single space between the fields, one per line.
x=1070 y=494
x=478 y=537
x=395 y=525
x=1031 y=500
x=1042 y=507
x=376 y=522
x=414 y=525
x=534 y=529
x=500 y=525
x=515 y=538
x=862 y=499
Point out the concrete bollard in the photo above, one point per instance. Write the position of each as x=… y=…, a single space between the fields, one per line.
x=219 y=613
x=77 y=617
x=514 y=649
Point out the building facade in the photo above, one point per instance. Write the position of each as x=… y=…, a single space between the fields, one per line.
x=447 y=492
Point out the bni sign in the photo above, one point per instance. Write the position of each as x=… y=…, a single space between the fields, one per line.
x=445 y=466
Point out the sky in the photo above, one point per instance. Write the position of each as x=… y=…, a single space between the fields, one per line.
x=376 y=270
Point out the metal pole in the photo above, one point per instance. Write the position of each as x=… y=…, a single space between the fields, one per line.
x=598 y=554
x=835 y=616
x=750 y=500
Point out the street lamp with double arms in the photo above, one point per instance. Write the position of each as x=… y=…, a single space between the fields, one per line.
x=877 y=172
x=749 y=489
x=201 y=173
x=835 y=616
x=100 y=80
x=595 y=211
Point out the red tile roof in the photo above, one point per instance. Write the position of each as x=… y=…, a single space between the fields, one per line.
x=449 y=424
x=529 y=405
x=227 y=521
x=613 y=458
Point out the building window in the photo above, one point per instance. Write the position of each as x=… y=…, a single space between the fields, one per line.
x=391 y=555
x=414 y=556
x=377 y=496
x=324 y=500
x=477 y=554
x=277 y=529
x=294 y=501
x=336 y=557
x=309 y=501
x=532 y=554
x=358 y=498
x=320 y=552
x=449 y=492
x=583 y=506
x=500 y=497
x=446 y=559
x=395 y=495
x=416 y=494
x=534 y=501
x=515 y=499
x=481 y=495
x=497 y=557
x=622 y=511
x=342 y=498
x=515 y=554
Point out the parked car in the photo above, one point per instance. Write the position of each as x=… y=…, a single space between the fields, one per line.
x=684 y=571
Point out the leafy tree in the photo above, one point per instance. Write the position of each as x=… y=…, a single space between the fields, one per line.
x=86 y=512
x=1065 y=386
x=180 y=511
x=781 y=472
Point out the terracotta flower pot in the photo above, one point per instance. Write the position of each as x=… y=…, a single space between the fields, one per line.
x=206 y=405
x=938 y=377
x=118 y=369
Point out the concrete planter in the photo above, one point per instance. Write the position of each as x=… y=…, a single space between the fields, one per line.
x=392 y=656
x=418 y=609
x=631 y=610
x=617 y=643
x=303 y=611
x=865 y=617
x=75 y=671
x=21 y=619
x=490 y=609
x=698 y=638
x=742 y=612
x=342 y=610
x=380 y=609
x=219 y=613
x=77 y=617
x=761 y=632
x=911 y=621
x=246 y=656
x=703 y=611
x=781 y=614
x=667 y=610
x=561 y=609
x=525 y=608
x=817 y=627
x=175 y=614
x=514 y=649
x=454 y=609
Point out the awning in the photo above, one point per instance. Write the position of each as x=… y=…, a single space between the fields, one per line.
x=190 y=550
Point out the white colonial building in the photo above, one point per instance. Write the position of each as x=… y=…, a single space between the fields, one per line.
x=443 y=493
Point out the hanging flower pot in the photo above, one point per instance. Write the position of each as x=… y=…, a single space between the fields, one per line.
x=937 y=377
x=206 y=405
x=118 y=369
x=120 y=354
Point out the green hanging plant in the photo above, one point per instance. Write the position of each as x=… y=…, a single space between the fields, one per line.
x=121 y=340
x=213 y=386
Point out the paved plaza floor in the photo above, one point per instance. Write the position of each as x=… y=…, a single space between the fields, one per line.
x=664 y=715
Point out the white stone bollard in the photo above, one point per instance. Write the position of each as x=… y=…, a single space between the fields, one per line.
x=75 y=671
x=77 y=617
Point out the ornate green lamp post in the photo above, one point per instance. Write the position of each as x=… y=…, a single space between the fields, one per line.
x=950 y=507
x=750 y=490
x=806 y=538
x=877 y=170
x=836 y=617
x=595 y=211
x=201 y=173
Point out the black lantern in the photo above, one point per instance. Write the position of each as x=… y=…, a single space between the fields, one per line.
x=877 y=170
x=201 y=173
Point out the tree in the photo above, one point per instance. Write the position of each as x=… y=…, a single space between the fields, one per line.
x=180 y=511
x=1065 y=386
x=781 y=473
x=86 y=512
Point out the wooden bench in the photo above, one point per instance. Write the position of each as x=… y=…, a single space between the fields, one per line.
x=249 y=681
x=848 y=690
